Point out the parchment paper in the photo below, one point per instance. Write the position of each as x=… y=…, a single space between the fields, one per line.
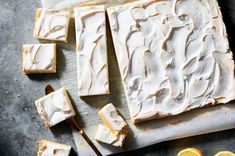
x=192 y=123
x=195 y=122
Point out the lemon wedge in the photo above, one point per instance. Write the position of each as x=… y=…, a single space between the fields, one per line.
x=190 y=152
x=225 y=153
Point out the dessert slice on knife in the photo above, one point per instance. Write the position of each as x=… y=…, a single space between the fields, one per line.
x=55 y=107
x=173 y=56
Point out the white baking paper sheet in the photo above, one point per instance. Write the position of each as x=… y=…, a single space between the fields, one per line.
x=192 y=123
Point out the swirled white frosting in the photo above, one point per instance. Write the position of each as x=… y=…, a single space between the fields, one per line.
x=91 y=50
x=173 y=56
x=64 y=4
x=48 y=148
x=55 y=107
x=52 y=25
x=103 y=134
x=112 y=119
x=39 y=58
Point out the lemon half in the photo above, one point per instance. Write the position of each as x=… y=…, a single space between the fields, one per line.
x=190 y=152
x=225 y=153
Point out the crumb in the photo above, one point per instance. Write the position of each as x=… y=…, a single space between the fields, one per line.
x=16 y=79
x=25 y=109
x=18 y=95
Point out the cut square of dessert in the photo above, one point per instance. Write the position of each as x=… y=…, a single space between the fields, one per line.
x=113 y=120
x=104 y=135
x=39 y=58
x=173 y=56
x=48 y=148
x=51 y=25
x=92 y=64
x=55 y=107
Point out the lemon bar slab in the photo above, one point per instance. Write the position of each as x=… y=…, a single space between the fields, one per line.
x=173 y=56
x=92 y=64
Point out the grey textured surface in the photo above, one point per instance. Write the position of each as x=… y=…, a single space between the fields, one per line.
x=20 y=126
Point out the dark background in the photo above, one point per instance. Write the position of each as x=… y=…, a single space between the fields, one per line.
x=20 y=126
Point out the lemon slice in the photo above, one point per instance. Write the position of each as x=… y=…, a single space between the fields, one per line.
x=225 y=153
x=190 y=152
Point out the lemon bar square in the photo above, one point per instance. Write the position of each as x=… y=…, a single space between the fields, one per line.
x=112 y=119
x=104 y=135
x=39 y=58
x=51 y=25
x=49 y=148
x=55 y=107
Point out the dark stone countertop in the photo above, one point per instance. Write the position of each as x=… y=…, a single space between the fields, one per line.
x=20 y=126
